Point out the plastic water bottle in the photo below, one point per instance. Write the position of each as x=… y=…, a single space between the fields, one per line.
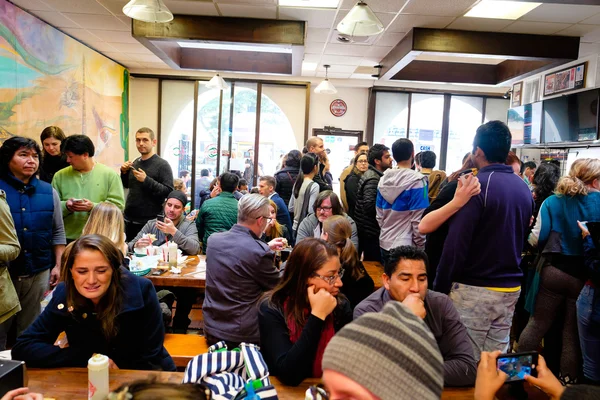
x=172 y=254
x=98 y=377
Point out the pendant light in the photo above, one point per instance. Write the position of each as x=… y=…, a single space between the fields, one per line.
x=217 y=83
x=360 y=21
x=326 y=87
x=148 y=11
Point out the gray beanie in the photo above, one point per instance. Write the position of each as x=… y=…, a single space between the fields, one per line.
x=392 y=353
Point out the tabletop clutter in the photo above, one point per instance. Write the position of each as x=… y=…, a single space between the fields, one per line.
x=166 y=257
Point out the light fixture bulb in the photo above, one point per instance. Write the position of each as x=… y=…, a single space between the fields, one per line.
x=326 y=87
x=217 y=83
x=148 y=11
x=360 y=21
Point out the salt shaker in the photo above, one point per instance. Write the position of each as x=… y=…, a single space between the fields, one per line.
x=98 y=377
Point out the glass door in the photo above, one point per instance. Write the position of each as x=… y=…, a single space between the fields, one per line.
x=340 y=149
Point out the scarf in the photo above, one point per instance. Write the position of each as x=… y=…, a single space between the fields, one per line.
x=326 y=335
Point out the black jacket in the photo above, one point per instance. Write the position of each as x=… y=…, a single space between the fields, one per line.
x=320 y=179
x=366 y=207
x=285 y=182
x=351 y=184
x=292 y=362
x=356 y=290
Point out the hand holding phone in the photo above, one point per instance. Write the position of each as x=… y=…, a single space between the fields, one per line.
x=518 y=365
x=160 y=217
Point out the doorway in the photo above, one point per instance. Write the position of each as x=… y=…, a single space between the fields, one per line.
x=340 y=144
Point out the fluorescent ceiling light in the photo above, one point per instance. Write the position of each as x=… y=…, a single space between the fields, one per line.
x=265 y=48
x=501 y=9
x=148 y=11
x=360 y=21
x=310 y=3
x=308 y=66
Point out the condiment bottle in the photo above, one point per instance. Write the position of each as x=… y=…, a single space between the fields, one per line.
x=98 y=377
x=172 y=254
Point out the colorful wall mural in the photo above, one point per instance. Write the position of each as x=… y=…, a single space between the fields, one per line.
x=48 y=78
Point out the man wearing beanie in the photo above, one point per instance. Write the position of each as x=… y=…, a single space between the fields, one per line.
x=390 y=355
x=174 y=228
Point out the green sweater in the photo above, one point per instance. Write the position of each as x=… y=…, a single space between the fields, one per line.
x=100 y=184
x=216 y=215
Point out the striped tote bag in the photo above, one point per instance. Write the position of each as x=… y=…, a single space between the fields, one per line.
x=232 y=375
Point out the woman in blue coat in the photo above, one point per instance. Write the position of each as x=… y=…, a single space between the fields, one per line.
x=103 y=308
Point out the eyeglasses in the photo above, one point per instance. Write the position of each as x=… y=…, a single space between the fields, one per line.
x=320 y=209
x=269 y=219
x=362 y=162
x=331 y=279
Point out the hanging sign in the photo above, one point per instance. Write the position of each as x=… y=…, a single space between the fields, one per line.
x=338 y=107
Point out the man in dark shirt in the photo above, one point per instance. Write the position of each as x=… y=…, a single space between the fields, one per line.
x=149 y=179
x=237 y=279
x=405 y=280
x=479 y=265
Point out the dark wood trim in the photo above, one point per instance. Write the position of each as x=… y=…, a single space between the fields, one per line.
x=159 y=113
x=194 y=142
x=257 y=133
x=306 y=114
x=201 y=78
x=341 y=132
x=371 y=107
x=408 y=119
x=223 y=29
x=230 y=133
x=483 y=110
x=449 y=72
x=445 y=132
x=435 y=91
x=239 y=61
x=219 y=126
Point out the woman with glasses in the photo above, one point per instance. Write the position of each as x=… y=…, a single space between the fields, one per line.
x=300 y=316
x=358 y=285
x=361 y=165
x=327 y=204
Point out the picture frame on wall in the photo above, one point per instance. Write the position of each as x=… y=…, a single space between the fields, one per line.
x=517 y=94
x=565 y=80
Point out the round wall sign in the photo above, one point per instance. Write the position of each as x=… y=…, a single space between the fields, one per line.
x=338 y=107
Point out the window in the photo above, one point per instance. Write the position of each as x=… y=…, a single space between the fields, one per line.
x=391 y=117
x=465 y=118
x=426 y=114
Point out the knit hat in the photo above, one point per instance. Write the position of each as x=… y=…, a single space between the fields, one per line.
x=392 y=353
x=178 y=195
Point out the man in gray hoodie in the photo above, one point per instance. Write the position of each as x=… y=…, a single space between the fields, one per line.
x=401 y=199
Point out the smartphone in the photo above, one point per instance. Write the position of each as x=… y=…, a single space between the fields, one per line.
x=160 y=217
x=518 y=365
x=77 y=200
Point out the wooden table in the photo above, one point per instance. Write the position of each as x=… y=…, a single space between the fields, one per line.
x=374 y=269
x=71 y=383
x=187 y=278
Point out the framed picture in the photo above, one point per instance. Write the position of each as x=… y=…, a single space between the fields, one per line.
x=517 y=90
x=531 y=91
x=565 y=80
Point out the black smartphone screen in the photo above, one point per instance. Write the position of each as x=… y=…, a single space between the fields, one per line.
x=518 y=365
x=160 y=217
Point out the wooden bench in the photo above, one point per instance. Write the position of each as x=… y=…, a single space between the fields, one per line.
x=183 y=348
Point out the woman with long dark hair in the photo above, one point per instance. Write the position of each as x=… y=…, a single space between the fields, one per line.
x=564 y=274
x=53 y=159
x=305 y=189
x=358 y=285
x=102 y=308
x=303 y=312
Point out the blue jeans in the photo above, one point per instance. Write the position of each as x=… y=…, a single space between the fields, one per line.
x=588 y=321
x=486 y=314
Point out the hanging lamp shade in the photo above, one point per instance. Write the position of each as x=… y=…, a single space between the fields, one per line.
x=217 y=83
x=326 y=87
x=360 y=21
x=148 y=11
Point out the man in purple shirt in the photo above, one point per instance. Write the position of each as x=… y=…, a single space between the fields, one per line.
x=479 y=265
x=405 y=280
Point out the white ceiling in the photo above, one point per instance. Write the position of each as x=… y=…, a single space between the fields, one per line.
x=102 y=25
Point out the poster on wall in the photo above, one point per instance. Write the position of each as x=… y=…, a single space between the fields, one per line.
x=516 y=94
x=572 y=78
x=48 y=78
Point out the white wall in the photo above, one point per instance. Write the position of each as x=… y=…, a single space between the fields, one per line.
x=143 y=109
x=355 y=118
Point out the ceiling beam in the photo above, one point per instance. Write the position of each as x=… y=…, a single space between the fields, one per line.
x=529 y=54
x=223 y=29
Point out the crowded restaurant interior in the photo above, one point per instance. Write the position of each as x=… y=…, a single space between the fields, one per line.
x=299 y=199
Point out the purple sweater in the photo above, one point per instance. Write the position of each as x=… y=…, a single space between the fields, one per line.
x=486 y=237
